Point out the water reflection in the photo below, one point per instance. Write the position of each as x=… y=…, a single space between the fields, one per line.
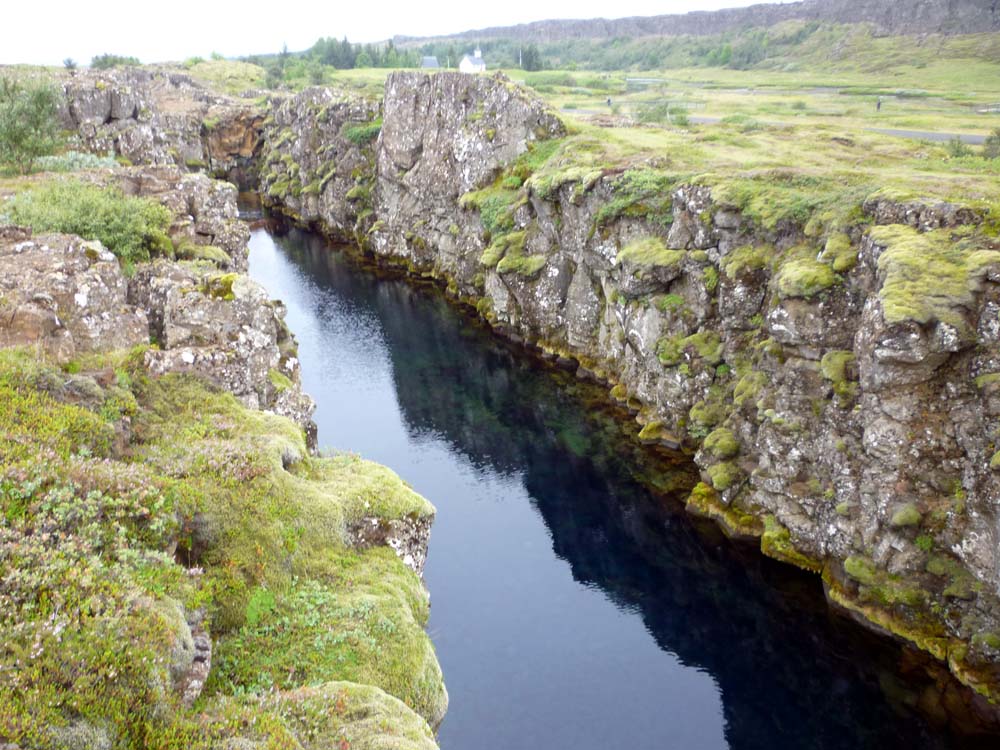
x=572 y=608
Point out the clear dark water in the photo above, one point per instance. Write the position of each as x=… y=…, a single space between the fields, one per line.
x=572 y=607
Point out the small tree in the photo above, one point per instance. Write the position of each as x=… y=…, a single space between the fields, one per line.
x=531 y=59
x=69 y=63
x=29 y=126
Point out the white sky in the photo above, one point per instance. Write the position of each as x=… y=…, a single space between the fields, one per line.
x=48 y=31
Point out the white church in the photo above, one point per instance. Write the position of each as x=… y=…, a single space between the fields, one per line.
x=474 y=63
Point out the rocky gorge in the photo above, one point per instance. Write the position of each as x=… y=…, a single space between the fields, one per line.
x=831 y=368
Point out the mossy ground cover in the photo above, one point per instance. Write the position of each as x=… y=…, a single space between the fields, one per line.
x=790 y=175
x=93 y=593
x=931 y=276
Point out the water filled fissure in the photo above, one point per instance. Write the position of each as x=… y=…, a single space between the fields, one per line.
x=571 y=606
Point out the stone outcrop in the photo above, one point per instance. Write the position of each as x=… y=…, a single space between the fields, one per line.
x=161 y=118
x=442 y=137
x=841 y=416
x=71 y=297
x=317 y=160
x=64 y=294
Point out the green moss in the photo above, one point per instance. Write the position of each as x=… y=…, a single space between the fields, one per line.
x=514 y=241
x=668 y=302
x=931 y=276
x=710 y=278
x=650 y=252
x=345 y=714
x=748 y=386
x=704 y=501
x=880 y=587
x=839 y=253
x=706 y=414
x=723 y=475
x=188 y=250
x=496 y=206
x=835 y=363
x=862 y=570
x=360 y=193
x=527 y=266
x=746 y=259
x=961 y=583
x=238 y=494
x=365 y=625
x=836 y=366
x=279 y=380
x=656 y=432
x=721 y=443
x=776 y=542
x=639 y=193
x=906 y=515
x=706 y=345
x=506 y=253
x=804 y=277
x=788 y=196
x=33 y=422
x=220 y=286
x=362 y=134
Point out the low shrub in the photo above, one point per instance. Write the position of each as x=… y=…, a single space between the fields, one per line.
x=132 y=228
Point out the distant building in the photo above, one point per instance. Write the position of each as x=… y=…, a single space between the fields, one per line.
x=473 y=64
x=429 y=62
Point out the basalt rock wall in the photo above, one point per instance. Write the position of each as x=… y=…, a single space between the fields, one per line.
x=839 y=393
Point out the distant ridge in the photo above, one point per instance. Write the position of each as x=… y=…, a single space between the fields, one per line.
x=892 y=17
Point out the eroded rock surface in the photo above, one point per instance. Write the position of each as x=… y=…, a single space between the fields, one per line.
x=64 y=294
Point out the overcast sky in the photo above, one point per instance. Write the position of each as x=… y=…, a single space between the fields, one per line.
x=48 y=31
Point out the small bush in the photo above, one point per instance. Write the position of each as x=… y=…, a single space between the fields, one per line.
x=74 y=161
x=957 y=148
x=131 y=228
x=108 y=61
x=991 y=146
x=359 y=135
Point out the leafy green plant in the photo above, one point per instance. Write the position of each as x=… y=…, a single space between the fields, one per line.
x=132 y=228
x=359 y=135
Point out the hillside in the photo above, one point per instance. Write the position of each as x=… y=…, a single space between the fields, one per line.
x=886 y=16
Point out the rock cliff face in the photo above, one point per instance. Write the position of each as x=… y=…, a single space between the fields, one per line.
x=159 y=118
x=317 y=160
x=840 y=399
